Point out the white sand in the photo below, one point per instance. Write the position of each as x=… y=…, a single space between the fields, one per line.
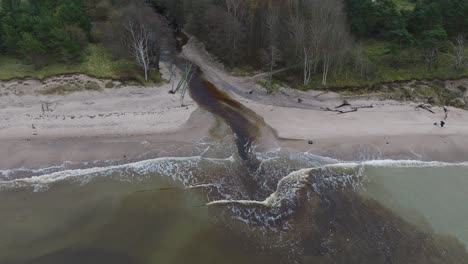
x=115 y=111
x=391 y=127
x=135 y=113
x=384 y=119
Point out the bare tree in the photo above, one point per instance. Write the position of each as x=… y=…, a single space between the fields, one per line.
x=138 y=44
x=330 y=33
x=225 y=38
x=300 y=30
x=185 y=79
x=360 y=61
x=233 y=7
x=183 y=83
x=459 y=51
x=274 y=53
x=430 y=56
x=319 y=35
x=133 y=31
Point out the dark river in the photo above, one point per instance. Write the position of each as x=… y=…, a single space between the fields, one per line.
x=230 y=201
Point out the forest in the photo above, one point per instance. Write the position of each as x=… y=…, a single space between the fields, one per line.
x=118 y=39
x=316 y=42
x=319 y=37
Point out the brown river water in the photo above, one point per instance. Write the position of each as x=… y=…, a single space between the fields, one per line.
x=232 y=201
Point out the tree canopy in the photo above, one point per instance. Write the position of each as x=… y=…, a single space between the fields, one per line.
x=315 y=36
x=40 y=30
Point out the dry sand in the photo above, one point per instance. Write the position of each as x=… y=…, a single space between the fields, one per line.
x=37 y=129
x=25 y=112
x=127 y=121
x=389 y=129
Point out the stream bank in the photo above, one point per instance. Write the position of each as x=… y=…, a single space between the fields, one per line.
x=195 y=200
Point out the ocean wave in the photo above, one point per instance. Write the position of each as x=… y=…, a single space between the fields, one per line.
x=177 y=168
x=272 y=213
x=400 y=164
x=22 y=172
x=336 y=174
x=329 y=177
x=308 y=179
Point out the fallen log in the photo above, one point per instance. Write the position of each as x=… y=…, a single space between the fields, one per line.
x=348 y=111
x=425 y=107
x=345 y=103
x=351 y=110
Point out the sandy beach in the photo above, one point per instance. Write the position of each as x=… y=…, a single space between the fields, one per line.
x=38 y=129
x=384 y=128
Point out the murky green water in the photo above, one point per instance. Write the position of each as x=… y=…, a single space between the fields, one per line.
x=140 y=213
x=433 y=197
x=210 y=204
x=155 y=211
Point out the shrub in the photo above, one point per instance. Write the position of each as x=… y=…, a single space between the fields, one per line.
x=92 y=86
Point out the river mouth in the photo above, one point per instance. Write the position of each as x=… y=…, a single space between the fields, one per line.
x=196 y=208
x=233 y=201
x=245 y=125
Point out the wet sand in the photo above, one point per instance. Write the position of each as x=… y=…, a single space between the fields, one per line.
x=116 y=205
x=399 y=132
x=43 y=151
x=123 y=123
x=378 y=129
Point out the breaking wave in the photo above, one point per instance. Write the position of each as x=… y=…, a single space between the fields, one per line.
x=285 y=185
x=184 y=170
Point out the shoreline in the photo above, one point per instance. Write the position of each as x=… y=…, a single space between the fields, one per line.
x=451 y=149
x=42 y=152
x=45 y=151
x=31 y=154
x=388 y=130
x=21 y=149
x=122 y=123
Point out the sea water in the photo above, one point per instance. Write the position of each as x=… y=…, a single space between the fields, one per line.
x=429 y=194
x=197 y=209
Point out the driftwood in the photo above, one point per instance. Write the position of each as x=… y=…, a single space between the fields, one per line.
x=328 y=109
x=184 y=89
x=366 y=106
x=183 y=82
x=425 y=107
x=351 y=110
x=348 y=111
x=48 y=107
x=345 y=103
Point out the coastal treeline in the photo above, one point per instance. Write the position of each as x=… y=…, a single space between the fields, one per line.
x=432 y=26
x=383 y=18
x=318 y=36
x=314 y=40
x=44 y=32
x=41 y=30
x=310 y=35
x=129 y=29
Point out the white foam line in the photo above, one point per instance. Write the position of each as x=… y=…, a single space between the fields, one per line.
x=398 y=164
x=45 y=170
x=35 y=171
x=139 y=166
x=273 y=198
x=243 y=202
x=202 y=186
x=145 y=167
